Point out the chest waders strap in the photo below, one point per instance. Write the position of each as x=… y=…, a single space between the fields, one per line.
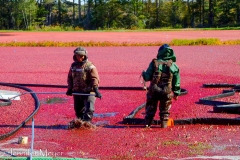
x=157 y=74
x=158 y=77
x=81 y=77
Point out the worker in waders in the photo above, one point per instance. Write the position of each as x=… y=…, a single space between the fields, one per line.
x=164 y=86
x=83 y=79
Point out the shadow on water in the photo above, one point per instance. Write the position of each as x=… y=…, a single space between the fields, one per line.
x=53 y=100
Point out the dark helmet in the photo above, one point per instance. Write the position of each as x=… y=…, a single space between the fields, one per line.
x=80 y=51
x=165 y=52
x=163 y=46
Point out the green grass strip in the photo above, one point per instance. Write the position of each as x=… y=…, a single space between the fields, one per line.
x=174 y=42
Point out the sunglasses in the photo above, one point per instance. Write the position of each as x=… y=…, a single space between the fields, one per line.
x=80 y=56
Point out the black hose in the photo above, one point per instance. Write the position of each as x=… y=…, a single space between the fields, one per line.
x=130 y=118
x=219 y=85
x=5 y=102
x=219 y=107
x=37 y=106
x=65 y=86
x=183 y=91
x=37 y=103
x=206 y=121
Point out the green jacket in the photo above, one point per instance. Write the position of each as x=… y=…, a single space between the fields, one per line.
x=165 y=53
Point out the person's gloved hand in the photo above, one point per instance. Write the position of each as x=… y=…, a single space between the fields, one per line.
x=98 y=94
x=69 y=92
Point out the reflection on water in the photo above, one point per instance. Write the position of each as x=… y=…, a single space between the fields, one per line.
x=53 y=100
x=102 y=123
x=102 y=115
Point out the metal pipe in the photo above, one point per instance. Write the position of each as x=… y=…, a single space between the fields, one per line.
x=83 y=94
x=77 y=94
x=32 y=141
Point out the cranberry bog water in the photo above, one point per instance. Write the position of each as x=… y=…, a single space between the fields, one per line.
x=205 y=126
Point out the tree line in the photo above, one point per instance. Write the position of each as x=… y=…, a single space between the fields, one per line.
x=118 y=14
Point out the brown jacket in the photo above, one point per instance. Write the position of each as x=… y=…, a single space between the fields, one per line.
x=82 y=77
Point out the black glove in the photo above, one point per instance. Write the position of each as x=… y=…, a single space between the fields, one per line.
x=69 y=92
x=98 y=94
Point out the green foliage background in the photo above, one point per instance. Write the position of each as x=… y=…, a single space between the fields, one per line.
x=118 y=14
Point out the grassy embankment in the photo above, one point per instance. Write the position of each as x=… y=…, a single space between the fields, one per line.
x=174 y=42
